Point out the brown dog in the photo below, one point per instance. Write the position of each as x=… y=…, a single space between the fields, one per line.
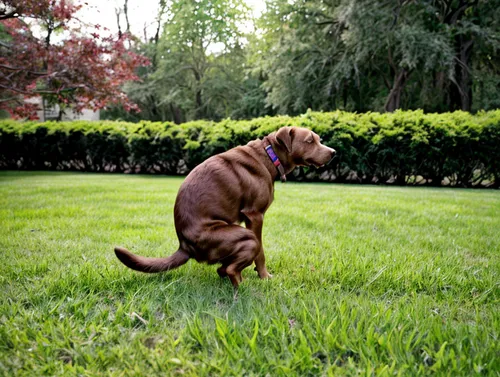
x=226 y=190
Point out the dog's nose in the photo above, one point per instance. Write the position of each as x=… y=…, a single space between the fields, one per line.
x=333 y=153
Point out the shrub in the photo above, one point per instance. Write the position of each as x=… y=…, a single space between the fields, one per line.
x=405 y=147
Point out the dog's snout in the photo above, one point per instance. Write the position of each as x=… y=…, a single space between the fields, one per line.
x=333 y=152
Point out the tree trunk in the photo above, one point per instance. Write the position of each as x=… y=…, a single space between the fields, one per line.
x=156 y=38
x=49 y=33
x=60 y=115
x=125 y=11
x=118 y=12
x=461 y=88
x=198 y=97
x=394 y=99
x=199 y=105
x=176 y=114
x=153 y=108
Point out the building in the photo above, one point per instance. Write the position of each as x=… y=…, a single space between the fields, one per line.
x=52 y=112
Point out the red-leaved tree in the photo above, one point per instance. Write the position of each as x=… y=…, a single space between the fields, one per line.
x=81 y=70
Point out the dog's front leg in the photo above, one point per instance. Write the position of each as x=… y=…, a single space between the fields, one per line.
x=254 y=221
x=260 y=266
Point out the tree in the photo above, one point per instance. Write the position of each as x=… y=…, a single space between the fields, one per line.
x=473 y=26
x=83 y=70
x=197 y=63
x=297 y=54
x=397 y=39
x=200 y=65
x=379 y=55
x=144 y=92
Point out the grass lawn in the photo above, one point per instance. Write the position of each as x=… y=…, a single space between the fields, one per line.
x=367 y=281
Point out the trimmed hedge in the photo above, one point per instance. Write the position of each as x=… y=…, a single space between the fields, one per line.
x=405 y=147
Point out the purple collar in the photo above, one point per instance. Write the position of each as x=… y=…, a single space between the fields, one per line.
x=276 y=161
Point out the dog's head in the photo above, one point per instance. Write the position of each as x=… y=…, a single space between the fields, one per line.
x=303 y=147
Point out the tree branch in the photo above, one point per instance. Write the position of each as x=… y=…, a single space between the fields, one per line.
x=6 y=15
x=118 y=12
x=23 y=69
x=3 y=44
x=37 y=92
x=9 y=99
x=329 y=22
x=384 y=77
x=125 y=11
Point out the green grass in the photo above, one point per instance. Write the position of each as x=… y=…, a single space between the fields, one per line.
x=367 y=281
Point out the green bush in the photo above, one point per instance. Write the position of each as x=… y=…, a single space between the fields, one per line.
x=405 y=147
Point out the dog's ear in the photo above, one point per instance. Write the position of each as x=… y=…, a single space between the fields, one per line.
x=284 y=137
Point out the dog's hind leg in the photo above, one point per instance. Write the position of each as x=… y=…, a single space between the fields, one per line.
x=222 y=271
x=245 y=252
x=233 y=246
x=254 y=221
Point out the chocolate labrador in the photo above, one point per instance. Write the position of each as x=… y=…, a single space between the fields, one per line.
x=226 y=190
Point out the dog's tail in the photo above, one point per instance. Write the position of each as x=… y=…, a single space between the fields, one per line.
x=144 y=264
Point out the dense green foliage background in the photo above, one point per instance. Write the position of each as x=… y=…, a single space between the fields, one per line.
x=323 y=55
x=395 y=148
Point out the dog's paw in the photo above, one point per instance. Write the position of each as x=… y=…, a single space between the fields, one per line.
x=222 y=271
x=265 y=275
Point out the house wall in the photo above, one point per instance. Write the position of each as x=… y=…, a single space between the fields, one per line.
x=53 y=112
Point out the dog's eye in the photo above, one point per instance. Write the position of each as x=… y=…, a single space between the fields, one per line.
x=309 y=140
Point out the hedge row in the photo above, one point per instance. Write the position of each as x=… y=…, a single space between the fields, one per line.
x=457 y=149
